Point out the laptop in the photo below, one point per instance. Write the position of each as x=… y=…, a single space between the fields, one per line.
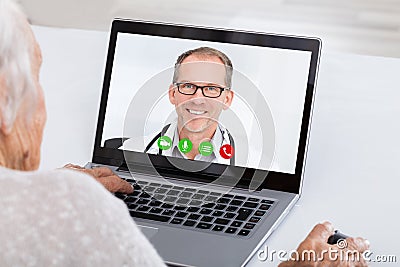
x=211 y=127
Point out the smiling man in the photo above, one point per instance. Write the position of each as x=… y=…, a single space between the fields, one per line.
x=200 y=91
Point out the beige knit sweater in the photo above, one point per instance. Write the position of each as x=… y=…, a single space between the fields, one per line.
x=66 y=218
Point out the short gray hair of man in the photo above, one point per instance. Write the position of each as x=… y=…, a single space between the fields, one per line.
x=209 y=52
x=15 y=61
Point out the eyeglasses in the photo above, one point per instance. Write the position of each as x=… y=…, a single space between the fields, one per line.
x=211 y=91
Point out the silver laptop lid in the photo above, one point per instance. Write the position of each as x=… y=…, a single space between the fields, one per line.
x=211 y=105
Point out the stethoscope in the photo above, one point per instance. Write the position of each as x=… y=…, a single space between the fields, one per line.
x=225 y=135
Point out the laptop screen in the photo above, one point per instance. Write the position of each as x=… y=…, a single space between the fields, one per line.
x=226 y=102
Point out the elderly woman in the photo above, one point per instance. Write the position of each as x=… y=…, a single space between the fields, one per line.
x=60 y=217
x=65 y=217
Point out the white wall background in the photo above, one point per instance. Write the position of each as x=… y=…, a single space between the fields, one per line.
x=358 y=26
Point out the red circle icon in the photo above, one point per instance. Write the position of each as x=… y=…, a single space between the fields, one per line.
x=226 y=151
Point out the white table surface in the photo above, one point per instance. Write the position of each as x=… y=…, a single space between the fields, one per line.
x=352 y=176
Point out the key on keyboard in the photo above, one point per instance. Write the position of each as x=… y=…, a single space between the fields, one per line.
x=227 y=214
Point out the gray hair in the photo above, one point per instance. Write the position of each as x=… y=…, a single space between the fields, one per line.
x=15 y=61
x=210 y=52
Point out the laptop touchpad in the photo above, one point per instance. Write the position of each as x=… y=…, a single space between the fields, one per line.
x=149 y=232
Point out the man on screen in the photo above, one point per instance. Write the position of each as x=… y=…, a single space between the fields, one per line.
x=200 y=91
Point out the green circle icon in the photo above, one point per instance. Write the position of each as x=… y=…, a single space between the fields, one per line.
x=206 y=148
x=164 y=142
x=185 y=145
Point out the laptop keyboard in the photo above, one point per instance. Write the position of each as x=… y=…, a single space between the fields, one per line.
x=203 y=210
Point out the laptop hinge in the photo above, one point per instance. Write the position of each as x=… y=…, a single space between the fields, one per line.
x=177 y=176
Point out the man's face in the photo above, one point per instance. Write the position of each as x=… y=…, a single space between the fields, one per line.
x=196 y=113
